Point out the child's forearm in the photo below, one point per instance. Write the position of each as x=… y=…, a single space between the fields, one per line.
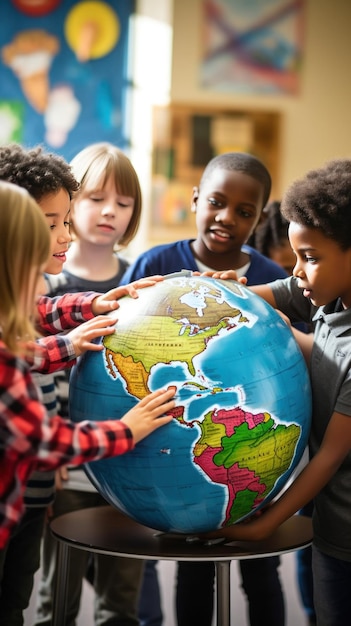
x=305 y=341
x=307 y=485
x=53 y=354
x=64 y=312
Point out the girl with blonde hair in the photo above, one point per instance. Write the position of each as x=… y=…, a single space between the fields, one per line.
x=28 y=438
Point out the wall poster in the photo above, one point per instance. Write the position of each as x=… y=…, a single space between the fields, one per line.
x=63 y=73
x=252 y=46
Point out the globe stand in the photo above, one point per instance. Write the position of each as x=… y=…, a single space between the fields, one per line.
x=105 y=530
x=222 y=569
x=223 y=592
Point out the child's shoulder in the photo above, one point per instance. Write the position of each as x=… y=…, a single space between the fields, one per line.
x=162 y=259
x=180 y=244
x=173 y=250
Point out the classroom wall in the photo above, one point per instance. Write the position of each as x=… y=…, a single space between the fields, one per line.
x=316 y=123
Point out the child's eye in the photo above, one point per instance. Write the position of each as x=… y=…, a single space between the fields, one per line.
x=214 y=202
x=310 y=259
x=67 y=225
x=245 y=213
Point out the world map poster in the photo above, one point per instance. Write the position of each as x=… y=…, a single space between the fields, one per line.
x=64 y=73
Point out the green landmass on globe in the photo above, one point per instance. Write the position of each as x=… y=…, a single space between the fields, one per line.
x=238 y=449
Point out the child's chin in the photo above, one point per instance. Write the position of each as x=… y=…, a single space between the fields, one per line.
x=53 y=269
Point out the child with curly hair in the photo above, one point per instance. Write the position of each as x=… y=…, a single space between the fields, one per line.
x=318 y=208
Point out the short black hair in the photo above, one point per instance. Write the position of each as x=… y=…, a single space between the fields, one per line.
x=39 y=172
x=322 y=200
x=241 y=162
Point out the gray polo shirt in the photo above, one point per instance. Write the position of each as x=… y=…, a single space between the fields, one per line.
x=331 y=391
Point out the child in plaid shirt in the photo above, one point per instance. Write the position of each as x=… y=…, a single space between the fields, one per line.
x=29 y=439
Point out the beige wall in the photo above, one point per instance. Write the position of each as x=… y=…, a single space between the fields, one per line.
x=316 y=124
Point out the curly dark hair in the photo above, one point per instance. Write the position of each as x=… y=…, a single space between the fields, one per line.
x=39 y=172
x=322 y=199
x=241 y=162
x=272 y=232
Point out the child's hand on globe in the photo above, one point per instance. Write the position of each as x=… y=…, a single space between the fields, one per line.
x=150 y=413
x=108 y=301
x=224 y=275
x=252 y=528
x=83 y=336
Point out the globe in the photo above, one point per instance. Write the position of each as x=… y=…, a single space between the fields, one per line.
x=243 y=403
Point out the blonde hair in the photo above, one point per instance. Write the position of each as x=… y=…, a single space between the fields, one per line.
x=94 y=165
x=24 y=245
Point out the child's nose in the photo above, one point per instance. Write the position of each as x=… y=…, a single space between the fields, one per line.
x=226 y=216
x=108 y=208
x=297 y=270
x=64 y=235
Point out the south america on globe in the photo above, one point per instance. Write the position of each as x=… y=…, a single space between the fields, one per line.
x=243 y=403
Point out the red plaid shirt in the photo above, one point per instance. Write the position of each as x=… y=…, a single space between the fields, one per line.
x=54 y=316
x=29 y=439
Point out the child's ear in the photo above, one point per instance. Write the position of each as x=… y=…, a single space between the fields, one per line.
x=194 y=199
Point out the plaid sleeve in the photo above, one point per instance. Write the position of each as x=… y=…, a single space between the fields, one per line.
x=51 y=354
x=64 y=312
x=52 y=442
x=31 y=440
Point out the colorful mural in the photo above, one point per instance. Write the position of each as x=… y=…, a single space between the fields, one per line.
x=63 y=73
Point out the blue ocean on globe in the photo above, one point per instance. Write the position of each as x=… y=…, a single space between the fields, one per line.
x=243 y=403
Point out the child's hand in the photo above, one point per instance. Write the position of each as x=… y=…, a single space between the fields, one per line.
x=82 y=337
x=108 y=301
x=254 y=528
x=225 y=275
x=145 y=417
x=237 y=532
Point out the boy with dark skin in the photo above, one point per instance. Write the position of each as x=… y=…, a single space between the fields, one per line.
x=271 y=239
x=318 y=208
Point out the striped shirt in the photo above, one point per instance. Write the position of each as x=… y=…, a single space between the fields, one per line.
x=53 y=315
x=40 y=489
